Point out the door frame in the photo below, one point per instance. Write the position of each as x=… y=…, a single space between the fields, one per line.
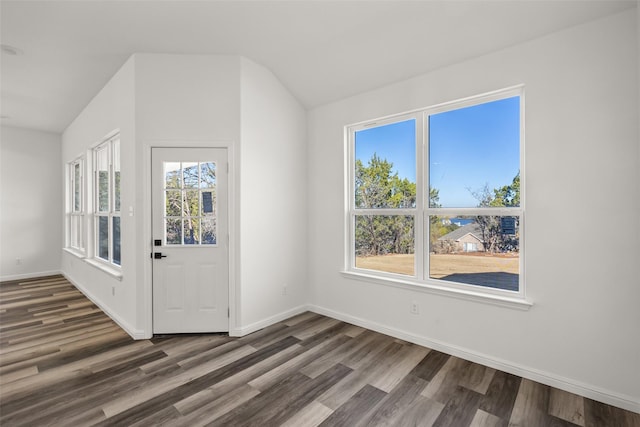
x=145 y=246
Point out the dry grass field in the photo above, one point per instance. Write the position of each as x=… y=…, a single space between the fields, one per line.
x=401 y=264
x=499 y=271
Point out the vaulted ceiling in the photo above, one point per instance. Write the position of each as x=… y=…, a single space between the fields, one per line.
x=321 y=51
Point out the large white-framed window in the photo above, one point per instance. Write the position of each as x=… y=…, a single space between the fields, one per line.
x=435 y=196
x=106 y=192
x=76 y=210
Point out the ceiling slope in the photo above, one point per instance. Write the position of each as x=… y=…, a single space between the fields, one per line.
x=321 y=51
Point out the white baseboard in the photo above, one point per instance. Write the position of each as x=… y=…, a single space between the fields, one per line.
x=29 y=275
x=256 y=326
x=136 y=334
x=572 y=386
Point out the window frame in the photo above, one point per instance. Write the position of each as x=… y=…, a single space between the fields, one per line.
x=111 y=146
x=422 y=211
x=75 y=217
x=351 y=200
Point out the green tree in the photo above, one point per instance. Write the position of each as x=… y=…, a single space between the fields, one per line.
x=378 y=186
x=434 y=198
x=507 y=195
x=490 y=225
x=438 y=226
x=187 y=219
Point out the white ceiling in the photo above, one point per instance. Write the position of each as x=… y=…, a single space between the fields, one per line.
x=321 y=50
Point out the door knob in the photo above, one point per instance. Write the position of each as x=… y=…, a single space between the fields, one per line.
x=158 y=255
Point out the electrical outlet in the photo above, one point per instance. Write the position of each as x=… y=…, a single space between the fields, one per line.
x=18 y=261
x=415 y=308
x=284 y=290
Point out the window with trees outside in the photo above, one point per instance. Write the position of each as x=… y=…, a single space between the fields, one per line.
x=75 y=210
x=107 y=201
x=190 y=211
x=435 y=196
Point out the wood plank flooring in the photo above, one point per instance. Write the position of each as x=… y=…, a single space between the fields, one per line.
x=64 y=363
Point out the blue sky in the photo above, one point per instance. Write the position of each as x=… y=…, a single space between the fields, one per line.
x=468 y=147
x=394 y=142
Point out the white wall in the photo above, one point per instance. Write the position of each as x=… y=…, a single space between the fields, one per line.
x=185 y=98
x=582 y=227
x=273 y=200
x=31 y=203
x=182 y=100
x=192 y=100
x=154 y=100
x=113 y=108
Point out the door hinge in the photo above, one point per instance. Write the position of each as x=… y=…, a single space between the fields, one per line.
x=228 y=312
x=227 y=167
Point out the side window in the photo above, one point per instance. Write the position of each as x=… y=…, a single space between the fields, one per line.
x=190 y=203
x=75 y=210
x=107 y=201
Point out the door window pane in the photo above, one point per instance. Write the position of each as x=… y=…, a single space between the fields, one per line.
x=190 y=174
x=208 y=230
x=207 y=175
x=173 y=203
x=172 y=175
x=173 y=231
x=191 y=231
x=190 y=203
x=385 y=166
x=208 y=203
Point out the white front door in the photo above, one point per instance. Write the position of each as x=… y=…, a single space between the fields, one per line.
x=190 y=246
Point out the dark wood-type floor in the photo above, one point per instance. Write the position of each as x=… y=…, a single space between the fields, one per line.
x=64 y=363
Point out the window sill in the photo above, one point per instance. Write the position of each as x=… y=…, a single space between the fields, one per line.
x=499 y=300
x=113 y=272
x=75 y=252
